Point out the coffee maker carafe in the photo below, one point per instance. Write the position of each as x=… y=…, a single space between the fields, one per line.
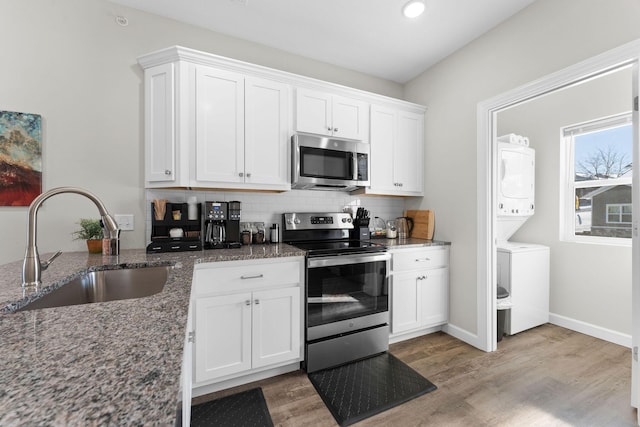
x=222 y=225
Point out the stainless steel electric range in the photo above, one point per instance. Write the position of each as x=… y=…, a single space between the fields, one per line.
x=346 y=297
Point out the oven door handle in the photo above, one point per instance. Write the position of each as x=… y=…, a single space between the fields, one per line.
x=347 y=259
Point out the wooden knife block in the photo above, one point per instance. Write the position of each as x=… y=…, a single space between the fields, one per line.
x=423 y=223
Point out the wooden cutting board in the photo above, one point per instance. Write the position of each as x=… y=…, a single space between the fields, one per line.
x=423 y=223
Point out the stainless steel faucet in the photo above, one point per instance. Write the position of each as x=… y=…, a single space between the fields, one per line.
x=32 y=267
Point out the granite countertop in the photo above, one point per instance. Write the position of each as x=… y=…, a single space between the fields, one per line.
x=410 y=242
x=112 y=363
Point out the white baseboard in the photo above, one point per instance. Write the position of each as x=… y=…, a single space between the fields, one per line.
x=591 y=330
x=463 y=335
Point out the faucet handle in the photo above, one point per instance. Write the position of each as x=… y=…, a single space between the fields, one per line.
x=48 y=262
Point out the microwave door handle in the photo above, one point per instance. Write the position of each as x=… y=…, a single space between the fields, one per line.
x=354 y=166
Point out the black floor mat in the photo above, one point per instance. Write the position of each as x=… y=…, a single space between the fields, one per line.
x=244 y=409
x=367 y=387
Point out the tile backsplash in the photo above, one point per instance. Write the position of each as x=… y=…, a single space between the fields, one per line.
x=269 y=207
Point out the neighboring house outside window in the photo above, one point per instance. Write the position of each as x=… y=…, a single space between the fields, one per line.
x=597 y=181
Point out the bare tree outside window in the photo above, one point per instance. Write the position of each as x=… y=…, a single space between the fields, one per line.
x=604 y=163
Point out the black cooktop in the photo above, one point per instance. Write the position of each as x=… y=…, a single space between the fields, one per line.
x=337 y=247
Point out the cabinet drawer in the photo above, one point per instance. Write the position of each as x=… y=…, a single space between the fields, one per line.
x=420 y=258
x=222 y=277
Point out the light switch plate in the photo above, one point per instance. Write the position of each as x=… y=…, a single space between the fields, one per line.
x=125 y=221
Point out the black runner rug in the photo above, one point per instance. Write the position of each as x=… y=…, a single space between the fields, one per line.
x=367 y=387
x=244 y=409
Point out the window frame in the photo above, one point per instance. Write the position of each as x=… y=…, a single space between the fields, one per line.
x=619 y=214
x=568 y=184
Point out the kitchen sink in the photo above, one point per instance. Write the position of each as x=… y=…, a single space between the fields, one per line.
x=104 y=285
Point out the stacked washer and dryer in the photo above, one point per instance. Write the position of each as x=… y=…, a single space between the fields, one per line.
x=522 y=268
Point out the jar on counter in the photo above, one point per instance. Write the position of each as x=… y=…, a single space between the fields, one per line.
x=259 y=235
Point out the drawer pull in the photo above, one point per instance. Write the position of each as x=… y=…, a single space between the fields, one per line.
x=423 y=259
x=422 y=277
x=257 y=301
x=257 y=276
x=247 y=302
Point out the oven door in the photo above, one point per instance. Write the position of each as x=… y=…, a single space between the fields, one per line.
x=346 y=293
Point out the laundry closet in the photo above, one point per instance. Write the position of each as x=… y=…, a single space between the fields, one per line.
x=522 y=268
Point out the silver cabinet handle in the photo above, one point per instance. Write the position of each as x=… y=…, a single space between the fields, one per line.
x=329 y=128
x=248 y=175
x=167 y=172
x=421 y=277
x=423 y=260
x=247 y=302
x=335 y=129
x=257 y=301
x=257 y=276
x=240 y=174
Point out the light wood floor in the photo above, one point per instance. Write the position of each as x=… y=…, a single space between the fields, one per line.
x=547 y=376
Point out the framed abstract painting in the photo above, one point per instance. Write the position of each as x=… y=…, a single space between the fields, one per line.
x=20 y=158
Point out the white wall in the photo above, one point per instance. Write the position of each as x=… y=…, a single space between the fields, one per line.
x=69 y=61
x=545 y=37
x=589 y=283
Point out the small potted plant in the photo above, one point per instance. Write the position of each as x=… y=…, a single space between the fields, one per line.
x=92 y=232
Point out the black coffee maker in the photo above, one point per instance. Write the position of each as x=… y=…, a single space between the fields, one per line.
x=221 y=225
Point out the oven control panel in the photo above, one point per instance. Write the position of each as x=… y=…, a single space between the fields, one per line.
x=322 y=220
x=318 y=221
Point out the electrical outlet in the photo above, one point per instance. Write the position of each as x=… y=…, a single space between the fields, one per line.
x=125 y=221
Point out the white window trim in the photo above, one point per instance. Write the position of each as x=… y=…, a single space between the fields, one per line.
x=568 y=184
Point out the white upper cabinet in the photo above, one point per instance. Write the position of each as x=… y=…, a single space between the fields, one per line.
x=159 y=103
x=267 y=132
x=207 y=127
x=331 y=115
x=214 y=122
x=397 y=147
x=409 y=151
x=242 y=130
x=219 y=148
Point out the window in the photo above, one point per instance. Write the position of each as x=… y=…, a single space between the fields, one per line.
x=619 y=213
x=597 y=185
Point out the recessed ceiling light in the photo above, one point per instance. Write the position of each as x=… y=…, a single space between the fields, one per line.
x=413 y=9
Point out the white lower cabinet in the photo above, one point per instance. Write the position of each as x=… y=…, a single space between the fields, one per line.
x=222 y=336
x=419 y=290
x=247 y=317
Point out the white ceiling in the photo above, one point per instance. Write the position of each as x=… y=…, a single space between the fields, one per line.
x=370 y=36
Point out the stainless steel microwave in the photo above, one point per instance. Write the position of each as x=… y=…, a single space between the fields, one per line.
x=323 y=163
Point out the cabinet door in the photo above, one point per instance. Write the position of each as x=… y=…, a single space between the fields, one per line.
x=313 y=112
x=219 y=152
x=434 y=286
x=222 y=336
x=266 y=132
x=382 y=140
x=160 y=138
x=276 y=326
x=350 y=118
x=406 y=310
x=408 y=153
